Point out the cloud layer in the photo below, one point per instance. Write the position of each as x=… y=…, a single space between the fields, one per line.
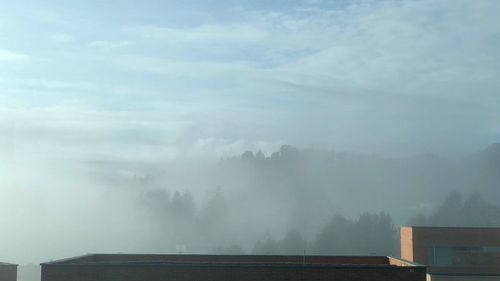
x=357 y=75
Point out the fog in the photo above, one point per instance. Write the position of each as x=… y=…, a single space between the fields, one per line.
x=244 y=126
x=57 y=208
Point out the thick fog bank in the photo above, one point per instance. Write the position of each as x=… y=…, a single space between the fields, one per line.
x=289 y=201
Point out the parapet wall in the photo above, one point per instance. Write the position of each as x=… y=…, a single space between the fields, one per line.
x=230 y=268
x=8 y=272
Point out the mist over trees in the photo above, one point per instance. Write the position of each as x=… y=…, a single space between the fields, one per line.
x=473 y=211
x=370 y=234
x=289 y=202
x=324 y=202
x=291 y=244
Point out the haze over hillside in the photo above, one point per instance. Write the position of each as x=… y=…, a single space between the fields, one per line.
x=234 y=204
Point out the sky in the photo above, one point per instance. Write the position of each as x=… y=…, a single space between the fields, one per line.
x=149 y=81
x=170 y=79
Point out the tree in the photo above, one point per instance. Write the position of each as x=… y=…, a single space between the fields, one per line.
x=332 y=239
x=454 y=211
x=369 y=234
x=260 y=156
x=267 y=247
x=182 y=205
x=292 y=244
x=248 y=156
x=233 y=249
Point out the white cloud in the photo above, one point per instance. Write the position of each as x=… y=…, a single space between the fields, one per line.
x=62 y=38
x=367 y=55
x=10 y=56
x=55 y=84
x=109 y=44
x=267 y=73
x=400 y=43
x=236 y=33
x=181 y=68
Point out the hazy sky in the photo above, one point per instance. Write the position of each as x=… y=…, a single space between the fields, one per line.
x=163 y=79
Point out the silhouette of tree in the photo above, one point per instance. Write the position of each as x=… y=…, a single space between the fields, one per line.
x=260 y=156
x=267 y=247
x=248 y=156
x=332 y=239
x=370 y=234
x=292 y=244
x=454 y=211
x=229 y=250
x=182 y=205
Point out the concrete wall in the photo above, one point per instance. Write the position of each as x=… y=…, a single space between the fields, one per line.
x=228 y=273
x=8 y=272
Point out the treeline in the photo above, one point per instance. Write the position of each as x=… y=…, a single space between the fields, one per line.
x=367 y=234
x=374 y=233
x=302 y=190
x=370 y=234
x=326 y=181
x=473 y=211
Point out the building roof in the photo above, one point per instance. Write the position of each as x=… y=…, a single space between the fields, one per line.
x=233 y=260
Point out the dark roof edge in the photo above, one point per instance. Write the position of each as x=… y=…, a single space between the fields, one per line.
x=75 y=261
x=68 y=259
x=453 y=227
x=246 y=265
x=76 y=258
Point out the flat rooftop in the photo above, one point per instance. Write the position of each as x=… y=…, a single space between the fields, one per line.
x=232 y=260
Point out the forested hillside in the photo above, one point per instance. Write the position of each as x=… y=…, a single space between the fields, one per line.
x=327 y=202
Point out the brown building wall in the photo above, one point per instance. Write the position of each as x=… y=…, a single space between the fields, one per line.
x=228 y=273
x=416 y=242
x=407 y=243
x=8 y=272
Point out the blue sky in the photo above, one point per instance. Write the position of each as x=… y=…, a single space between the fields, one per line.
x=167 y=79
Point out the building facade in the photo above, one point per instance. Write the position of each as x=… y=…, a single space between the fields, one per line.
x=8 y=272
x=120 y=267
x=454 y=253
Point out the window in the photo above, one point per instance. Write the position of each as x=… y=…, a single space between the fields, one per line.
x=463 y=256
